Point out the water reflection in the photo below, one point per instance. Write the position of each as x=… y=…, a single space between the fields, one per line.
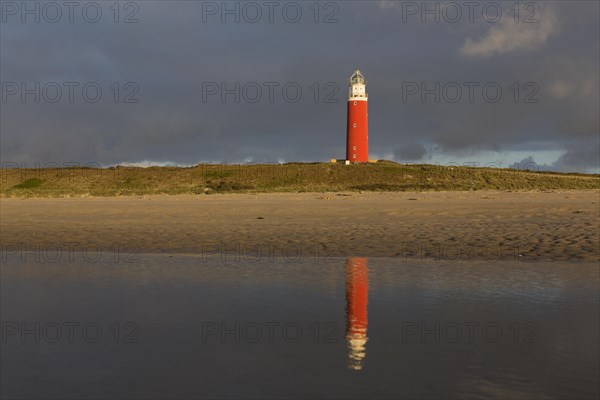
x=161 y=293
x=357 y=297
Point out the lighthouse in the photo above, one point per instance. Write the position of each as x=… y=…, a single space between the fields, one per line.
x=357 y=130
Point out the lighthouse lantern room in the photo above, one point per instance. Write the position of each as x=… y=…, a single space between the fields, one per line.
x=357 y=130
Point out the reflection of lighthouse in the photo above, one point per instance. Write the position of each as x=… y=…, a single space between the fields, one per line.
x=357 y=297
x=357 y=129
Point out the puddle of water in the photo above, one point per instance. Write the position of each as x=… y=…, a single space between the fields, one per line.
x=175 y=326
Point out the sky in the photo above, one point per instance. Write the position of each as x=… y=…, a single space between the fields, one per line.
x=185 y=82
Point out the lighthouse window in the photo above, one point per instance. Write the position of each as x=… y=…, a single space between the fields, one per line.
x=355 y=125
x=354 y=156
x=354 y=103
x=354 y=148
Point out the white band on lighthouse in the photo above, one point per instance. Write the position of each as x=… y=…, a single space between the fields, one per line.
x=357 y=89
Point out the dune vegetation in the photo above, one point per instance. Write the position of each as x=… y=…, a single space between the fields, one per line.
x=205 y=179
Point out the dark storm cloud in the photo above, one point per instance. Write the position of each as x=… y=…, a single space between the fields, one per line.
x=577 y=157
x=410 y=151
x=171 y=55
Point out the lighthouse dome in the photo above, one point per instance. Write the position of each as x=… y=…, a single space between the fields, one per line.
x=357 y=86
x=357 y=77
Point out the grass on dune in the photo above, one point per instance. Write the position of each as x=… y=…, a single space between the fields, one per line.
x=270 y=178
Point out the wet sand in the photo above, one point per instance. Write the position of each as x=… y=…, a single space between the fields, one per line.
x=480 y=226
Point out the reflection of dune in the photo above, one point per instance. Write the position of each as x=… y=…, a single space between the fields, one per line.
x=357 y=297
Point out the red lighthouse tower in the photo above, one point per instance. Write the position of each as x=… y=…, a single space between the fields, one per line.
x=357 y=130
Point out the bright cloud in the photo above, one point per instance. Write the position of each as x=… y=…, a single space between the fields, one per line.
x=509 y=36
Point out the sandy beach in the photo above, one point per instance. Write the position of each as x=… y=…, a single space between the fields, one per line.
x=480 y=226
